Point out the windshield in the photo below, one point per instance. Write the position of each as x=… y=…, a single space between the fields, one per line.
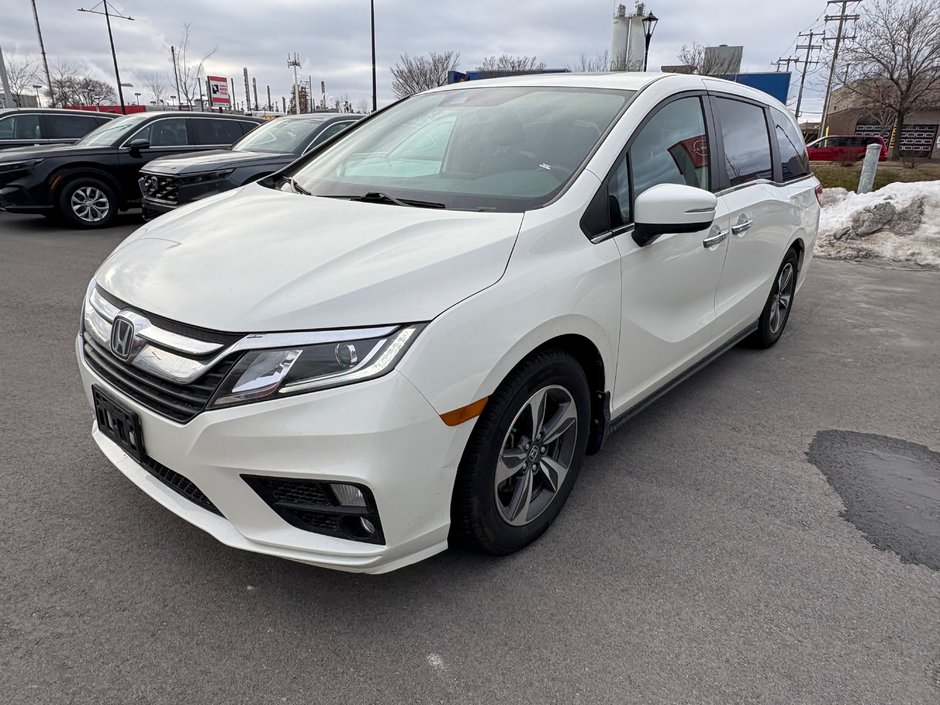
x=113 y=131
x=281 y=136
x=505 y=148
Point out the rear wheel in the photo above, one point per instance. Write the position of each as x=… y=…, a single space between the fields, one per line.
x=523 y=456
x=87 y=202
x=776 y=313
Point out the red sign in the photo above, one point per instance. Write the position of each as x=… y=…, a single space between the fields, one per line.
x=218 y=91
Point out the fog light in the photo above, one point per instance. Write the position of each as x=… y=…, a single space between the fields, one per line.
x=350 y=496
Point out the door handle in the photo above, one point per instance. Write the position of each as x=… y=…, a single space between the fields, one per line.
x=741 y=228
x=715 y=239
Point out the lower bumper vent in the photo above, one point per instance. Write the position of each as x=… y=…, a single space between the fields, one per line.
x=318 y=507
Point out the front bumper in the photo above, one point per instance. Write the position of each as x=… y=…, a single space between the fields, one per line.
x=16 y=198
x=382 y=434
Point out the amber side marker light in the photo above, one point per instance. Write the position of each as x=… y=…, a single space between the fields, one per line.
x=464 y=413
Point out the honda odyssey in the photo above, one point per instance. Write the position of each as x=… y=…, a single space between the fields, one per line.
x=414 y=335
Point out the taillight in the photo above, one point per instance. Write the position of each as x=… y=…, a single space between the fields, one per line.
x=819 y=193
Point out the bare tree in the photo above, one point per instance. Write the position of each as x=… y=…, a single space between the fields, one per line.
x=363 y=106
x=91 y=91
x=64 y=88
x=189 y=70
x=412 y=75
x=705 y=63
x=511 y=63
x=157 y=86
x=602 y=62
x=894 y=59
x=23 y=74
x=591 y=64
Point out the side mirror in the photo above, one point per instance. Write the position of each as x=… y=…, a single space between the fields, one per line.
x=672 y=208
x=136 y=145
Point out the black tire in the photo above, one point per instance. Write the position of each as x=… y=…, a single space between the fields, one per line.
x=100 y=197
x=770 y=326
x=477 y=511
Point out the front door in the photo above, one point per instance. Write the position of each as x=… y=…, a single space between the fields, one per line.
x=668 y=286
x=166 y=135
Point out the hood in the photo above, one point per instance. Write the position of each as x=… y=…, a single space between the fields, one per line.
x=17 y=154
x=258 y=260
x=199 y=162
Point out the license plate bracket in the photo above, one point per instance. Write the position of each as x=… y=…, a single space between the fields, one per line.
x=119 y=424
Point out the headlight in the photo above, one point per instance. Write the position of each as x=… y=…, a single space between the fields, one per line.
x=271 y=374
x=208 y=176
x=17 y=166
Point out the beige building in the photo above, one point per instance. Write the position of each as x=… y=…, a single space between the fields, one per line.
x=920 y=136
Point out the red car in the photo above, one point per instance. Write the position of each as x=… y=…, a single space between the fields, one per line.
x=844 y=148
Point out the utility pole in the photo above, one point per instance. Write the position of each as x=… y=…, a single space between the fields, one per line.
x=810 y=48
x=42 y=50
x=176 y=75
x=295 y=63
x=247 y=90
x=787 y=62
x=841 y=17
x=374 y=100
x=107 y=19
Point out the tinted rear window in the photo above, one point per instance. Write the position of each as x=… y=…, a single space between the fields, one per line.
x=69 y=126
x=747 y=144
x=215 y=131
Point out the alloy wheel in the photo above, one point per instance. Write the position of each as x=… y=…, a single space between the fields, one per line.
x=536 y=455
x=90 y=204
x=780 y=304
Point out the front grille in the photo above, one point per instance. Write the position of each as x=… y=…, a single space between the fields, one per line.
x=312 y=505
x=161 y=188
x=180 y=402
x=179 y=484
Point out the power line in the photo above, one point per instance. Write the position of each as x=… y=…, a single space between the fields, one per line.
x=810 y=48
x=841 y=17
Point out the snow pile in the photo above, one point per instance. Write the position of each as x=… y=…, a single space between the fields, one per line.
x=900 y=222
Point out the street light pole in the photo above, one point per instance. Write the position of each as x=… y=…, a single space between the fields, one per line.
x=107 y=17
x=374 y=99
x=649 y=23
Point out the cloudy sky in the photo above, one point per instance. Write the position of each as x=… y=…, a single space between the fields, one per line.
x=331 y=37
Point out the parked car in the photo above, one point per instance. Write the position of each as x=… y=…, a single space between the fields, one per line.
x=25 y=127
x=88 y=182
x=172 y=181
x=844 y=148
x=415 y=335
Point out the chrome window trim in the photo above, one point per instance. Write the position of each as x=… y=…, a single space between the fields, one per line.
x=755 y=182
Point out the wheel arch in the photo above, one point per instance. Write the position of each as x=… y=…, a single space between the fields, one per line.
x=65 y=175
x=589 y=357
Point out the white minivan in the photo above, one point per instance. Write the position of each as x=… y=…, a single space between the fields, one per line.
x=414 y=335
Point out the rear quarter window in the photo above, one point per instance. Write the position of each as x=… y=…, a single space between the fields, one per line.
x=794 y=162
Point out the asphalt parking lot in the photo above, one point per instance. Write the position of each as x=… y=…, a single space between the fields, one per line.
x=701 y=558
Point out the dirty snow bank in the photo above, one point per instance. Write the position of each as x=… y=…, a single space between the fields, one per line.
x=900 y=222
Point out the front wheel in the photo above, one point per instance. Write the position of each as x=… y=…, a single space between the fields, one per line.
x=776 y=313
x=88 y=203
x=523 y=456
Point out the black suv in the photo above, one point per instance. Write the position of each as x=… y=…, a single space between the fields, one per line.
x=24 y=127
x=88 y=182
x=183 y=178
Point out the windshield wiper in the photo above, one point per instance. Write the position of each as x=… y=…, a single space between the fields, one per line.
x=380 y=197
x=297 y=187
